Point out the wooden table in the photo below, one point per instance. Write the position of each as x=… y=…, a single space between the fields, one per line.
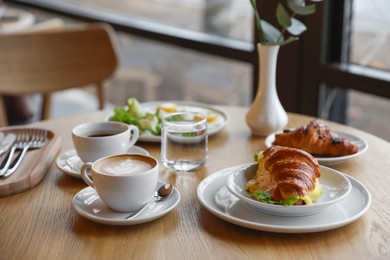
x=41 y=223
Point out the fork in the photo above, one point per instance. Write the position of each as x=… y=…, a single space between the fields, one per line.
x=26 y=139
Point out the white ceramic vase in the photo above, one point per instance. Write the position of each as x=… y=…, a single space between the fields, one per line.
x=266 y=114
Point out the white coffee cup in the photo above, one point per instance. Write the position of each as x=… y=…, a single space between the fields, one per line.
x=96 y=140
x=124 y=182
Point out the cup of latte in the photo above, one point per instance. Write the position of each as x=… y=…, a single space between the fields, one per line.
x=123 y=182
x=99 y=139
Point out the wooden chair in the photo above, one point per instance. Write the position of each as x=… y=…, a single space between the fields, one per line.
x=49 y=61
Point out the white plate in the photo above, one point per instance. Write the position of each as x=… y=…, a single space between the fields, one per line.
x=335 y=187
x=69 y=162
x=213 y=195
x=361 y=144
x=213 y=127
x=88 y=204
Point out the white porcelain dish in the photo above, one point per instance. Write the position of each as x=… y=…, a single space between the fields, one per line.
x=88 y=204
x=213 y=127
x=69 y=163
x=362 y=147
x=215 y=197
x=335 y=187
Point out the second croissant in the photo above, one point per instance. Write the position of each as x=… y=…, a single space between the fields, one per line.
x=317 y=139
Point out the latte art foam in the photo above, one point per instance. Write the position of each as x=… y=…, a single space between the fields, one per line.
x=124 y=166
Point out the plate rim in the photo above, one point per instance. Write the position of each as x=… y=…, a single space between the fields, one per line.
x=152 y=138
x=125 y=222
x=328 y=160
x=218 y=212
x=268 y=207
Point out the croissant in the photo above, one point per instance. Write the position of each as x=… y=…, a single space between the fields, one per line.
x=287 y=174
x=317 y=139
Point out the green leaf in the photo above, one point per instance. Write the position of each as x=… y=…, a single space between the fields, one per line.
x=258 y=21
x=299 y=7
x=149 y=122
x=290 y=39
x=134 y=108
x=296 y=2
x=189 y=134
x=264 y=197
x=271 y=34
x=283 y=17
x=297 y=27
x=121 y=115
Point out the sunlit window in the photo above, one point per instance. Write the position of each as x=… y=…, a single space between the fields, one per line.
x=371 y=34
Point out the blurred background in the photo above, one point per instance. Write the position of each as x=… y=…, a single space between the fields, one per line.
x=159 y=68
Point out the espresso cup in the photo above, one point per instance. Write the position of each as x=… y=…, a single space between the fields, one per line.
x=124 y=182
x=96 y=140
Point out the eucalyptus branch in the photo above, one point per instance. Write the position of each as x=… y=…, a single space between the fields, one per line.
x=284 y=29
x=269 y=34
x=258 y=21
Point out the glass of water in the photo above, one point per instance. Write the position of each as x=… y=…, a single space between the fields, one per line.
x=184 y=141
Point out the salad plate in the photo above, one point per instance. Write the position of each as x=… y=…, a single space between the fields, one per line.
x=69 y=162
x=220 y=121
x=361 y=144
x=219 y=201
x=335 y=187
x=89 y=205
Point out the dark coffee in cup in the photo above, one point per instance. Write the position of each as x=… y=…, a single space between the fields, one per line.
x=99 y=139
x=100 y=134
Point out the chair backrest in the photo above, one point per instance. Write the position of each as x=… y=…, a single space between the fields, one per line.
x=48 y=61
x=44 y=62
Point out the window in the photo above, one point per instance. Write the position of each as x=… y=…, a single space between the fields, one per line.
x=370 y=43
x=336 y=63
x=353 y=76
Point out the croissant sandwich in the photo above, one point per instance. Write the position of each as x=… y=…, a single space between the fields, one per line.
x=317 y=139
x=285 y=176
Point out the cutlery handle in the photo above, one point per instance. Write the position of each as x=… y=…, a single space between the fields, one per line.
x=7 y=161
x=15 y=164
x=7 y=143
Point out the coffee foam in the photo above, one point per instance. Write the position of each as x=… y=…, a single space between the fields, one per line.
x=122 y=166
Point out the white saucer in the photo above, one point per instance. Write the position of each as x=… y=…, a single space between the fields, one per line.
x=70 y=163
x=88 y=204
x=328 y=161
x=213 y=194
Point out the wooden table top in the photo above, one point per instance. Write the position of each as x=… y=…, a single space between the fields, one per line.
x=41 y=223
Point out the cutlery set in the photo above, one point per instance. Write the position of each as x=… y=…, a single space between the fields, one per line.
x=19 y=139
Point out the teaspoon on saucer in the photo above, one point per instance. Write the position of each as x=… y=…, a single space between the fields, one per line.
x=162 y=193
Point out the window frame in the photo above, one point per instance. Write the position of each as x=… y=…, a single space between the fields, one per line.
x=303 y=66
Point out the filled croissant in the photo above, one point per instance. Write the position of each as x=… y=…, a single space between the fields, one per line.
x=286 y=176
x=317 y=139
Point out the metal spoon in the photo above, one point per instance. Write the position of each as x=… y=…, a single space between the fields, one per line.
x=163 y=192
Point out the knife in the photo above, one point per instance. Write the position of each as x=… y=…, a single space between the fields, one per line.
x=7 y=142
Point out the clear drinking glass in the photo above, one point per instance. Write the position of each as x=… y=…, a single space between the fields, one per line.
x=184 y=141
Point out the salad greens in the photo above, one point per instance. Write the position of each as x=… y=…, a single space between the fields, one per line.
x=134 y=114
x=148 y=123
x=265 y=197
